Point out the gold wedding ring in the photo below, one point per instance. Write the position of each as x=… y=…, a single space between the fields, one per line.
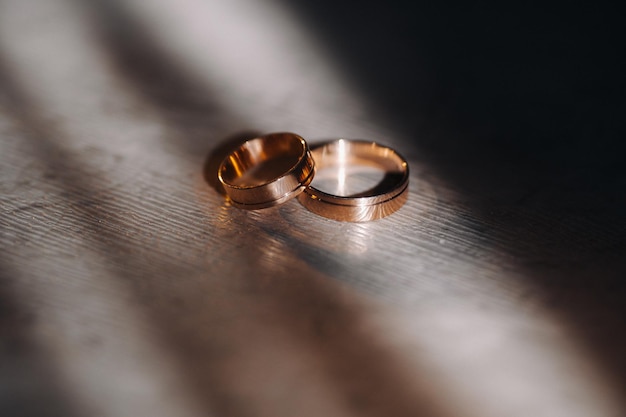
x=379 y=201
x=267 y=170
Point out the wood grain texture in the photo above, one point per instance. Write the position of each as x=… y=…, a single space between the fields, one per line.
x=129 y=286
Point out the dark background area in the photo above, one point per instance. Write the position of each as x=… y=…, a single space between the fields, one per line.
x=540 y=84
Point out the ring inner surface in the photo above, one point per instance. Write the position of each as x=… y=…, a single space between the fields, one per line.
x=261 y=161
x=353 y=169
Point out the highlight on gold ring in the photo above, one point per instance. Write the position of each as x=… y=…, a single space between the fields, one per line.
x=377 y=201
x=267 y=170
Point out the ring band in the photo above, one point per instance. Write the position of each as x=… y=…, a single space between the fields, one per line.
x=377 y=202
x=267 y=170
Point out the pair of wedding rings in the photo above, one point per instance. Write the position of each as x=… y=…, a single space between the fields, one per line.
x=272 y=169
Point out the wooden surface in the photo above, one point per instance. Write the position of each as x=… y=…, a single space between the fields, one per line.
x=129 y=287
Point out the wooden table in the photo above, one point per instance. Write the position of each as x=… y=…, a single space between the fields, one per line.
x=130 y=287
